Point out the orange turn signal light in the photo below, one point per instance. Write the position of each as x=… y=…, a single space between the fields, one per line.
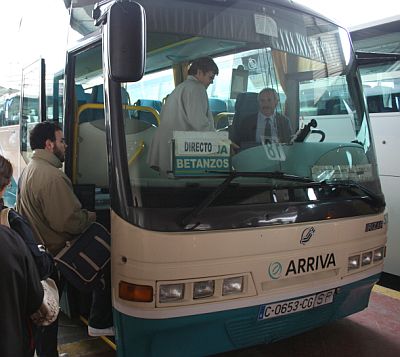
x=133 y=292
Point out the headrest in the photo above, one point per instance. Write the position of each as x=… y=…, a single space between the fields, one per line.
x=80 y=93
x=217 y=105
x=246 y=104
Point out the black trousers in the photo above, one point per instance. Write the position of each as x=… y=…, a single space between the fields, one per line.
x=101 y=308
x=100 y=314
x=46 y=336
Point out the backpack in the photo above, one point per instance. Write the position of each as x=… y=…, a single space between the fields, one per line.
x=43 y=259
x=48 y=311
x=82 y=260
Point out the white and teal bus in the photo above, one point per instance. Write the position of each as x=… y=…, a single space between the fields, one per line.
x=228 y=250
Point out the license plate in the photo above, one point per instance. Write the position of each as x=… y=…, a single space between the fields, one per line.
x=295 y=305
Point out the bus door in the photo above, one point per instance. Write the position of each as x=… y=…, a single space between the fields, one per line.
x=84 y=129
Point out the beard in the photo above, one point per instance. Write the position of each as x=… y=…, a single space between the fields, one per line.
x=59 y=154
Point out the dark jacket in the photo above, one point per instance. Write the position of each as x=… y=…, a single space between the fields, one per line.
x=43 y=260
x=21 y=294
x=245 y=136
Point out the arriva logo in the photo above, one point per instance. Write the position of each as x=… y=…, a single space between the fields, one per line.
x=306 y=235
x=275 y=270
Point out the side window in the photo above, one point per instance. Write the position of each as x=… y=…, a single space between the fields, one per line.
x=153 y=86
x=328 y=101
x=382 y=88
x=325 y=97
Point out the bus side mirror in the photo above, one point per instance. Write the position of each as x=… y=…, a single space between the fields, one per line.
x=125 y=38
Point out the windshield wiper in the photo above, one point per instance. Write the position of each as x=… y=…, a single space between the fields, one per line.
x=234 y=174
x=353 y=184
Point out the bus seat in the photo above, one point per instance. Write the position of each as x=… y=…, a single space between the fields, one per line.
x=396 y=101
x=334 y=106
x=97 y=97
x=92 y=144
x=147 y=116
x=231 y=105
x=80 y=94
x=82 y=98
x=90 y=171
x=246 y=105
x=375 y=104
x=217 y=106
x=97 y=94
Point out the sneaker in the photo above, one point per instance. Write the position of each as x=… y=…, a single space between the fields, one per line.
x=95 y=332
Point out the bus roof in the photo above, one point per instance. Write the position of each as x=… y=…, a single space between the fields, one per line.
x=377 y=36
x=387 y=24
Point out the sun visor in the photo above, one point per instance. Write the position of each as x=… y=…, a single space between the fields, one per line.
x=279 y=28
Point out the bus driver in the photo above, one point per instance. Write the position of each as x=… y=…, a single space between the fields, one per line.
x=267 y=123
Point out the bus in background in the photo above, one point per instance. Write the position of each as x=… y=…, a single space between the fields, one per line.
x=381 y=82
x=9 y=139
x=227 y=250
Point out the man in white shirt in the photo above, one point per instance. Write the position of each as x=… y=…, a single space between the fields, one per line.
x=186 y=109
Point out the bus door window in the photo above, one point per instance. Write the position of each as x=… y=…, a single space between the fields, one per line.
x=87 y=136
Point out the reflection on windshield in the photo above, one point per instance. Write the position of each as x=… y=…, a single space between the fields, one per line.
x=282 y=103
x=254 y=104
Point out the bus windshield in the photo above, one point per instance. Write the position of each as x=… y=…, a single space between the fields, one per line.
x=308 y=63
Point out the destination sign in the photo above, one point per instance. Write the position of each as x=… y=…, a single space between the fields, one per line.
x=201 y=153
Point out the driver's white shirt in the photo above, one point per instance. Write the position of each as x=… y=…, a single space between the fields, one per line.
x=260 y=130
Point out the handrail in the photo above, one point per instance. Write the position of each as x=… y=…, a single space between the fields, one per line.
x=153 y=111
x=86 y=106
x=137 y=152
x=219 y=116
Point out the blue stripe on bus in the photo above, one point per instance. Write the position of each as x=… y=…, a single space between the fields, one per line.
x=211 y=333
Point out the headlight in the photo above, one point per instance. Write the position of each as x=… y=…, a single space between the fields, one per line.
x=353 y=263
x=379 y=254
x=203 y=289
x=232 y=285
x=366 y=258
x=171 y=292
